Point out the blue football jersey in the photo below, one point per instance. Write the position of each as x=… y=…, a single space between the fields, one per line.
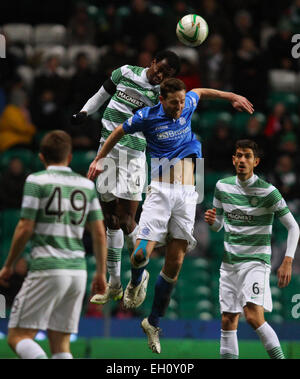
x=168 y=138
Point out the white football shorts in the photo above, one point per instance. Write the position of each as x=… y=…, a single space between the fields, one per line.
x=168 y=212
x=250 y=284
x=49 y=302
x=124 y=176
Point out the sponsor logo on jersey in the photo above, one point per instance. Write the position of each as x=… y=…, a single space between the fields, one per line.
x=132 y=100
x=173 y=133
x=182 y=121
x=238 y=215
x=254 y=201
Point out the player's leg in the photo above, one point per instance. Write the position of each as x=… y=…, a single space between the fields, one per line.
x=257 y=299
x=164 y=286
x=65 y=313
x=21 y=342
x=136 y=289
x=126 y=210
x=115 y=242
x=167 y=279
x=255 y=317
x=153 y=228
x=229 y=343
x=229 y=289
x=59 y=344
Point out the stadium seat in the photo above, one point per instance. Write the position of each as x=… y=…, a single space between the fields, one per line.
x=204 y=306
x=240 y=120
x=27 y=75
x=91 y=51
x=46 y=51
x=25 y=155
x=19 y=32
x=283 y=80
x=208 y=121
x=205 y=316
x=265 y=33
x=290 y=100
x=50 y=34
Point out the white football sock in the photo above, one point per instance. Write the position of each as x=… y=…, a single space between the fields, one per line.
x=29 y=349
x=62 y=356
x=115 y=243
x=229 y=348
x=131 y=239
x=270 y=341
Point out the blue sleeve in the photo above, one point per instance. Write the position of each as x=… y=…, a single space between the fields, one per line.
x=134 y=124
x=192 y=99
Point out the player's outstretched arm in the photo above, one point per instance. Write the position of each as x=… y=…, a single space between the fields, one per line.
x=240 y=103
x=22 y=234
x=95 y=167
x=284 y=273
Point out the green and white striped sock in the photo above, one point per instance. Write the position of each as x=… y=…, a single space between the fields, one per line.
x=276 y=353
x=270 y=341
x=229 y=348
x=115 y=242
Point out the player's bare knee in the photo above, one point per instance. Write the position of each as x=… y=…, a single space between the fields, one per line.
x=137 y=258
x=252 y=320
x=229 y=321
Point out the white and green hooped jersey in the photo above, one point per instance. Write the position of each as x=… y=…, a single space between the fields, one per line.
x=247 y=210
x=60 y=202
x=133 y=91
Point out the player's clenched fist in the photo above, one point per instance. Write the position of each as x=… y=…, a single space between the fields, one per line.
x=210 y=216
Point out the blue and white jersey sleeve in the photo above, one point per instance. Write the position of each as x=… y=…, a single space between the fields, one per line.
x=134 y=124
x=192 y=100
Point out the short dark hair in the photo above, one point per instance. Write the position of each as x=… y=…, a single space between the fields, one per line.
x=171 y=85
x=172 y=59
x=248 y=144
x=55 y=146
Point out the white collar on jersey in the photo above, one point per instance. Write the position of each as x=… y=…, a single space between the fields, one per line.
x=247 y=182
x=59 y=168
x=144 y=72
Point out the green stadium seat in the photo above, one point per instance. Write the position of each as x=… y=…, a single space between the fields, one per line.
x=204 y=306
x=25 y=155
x=240 y=120
x=208 y=120
x=290 y=100
x=205 y=316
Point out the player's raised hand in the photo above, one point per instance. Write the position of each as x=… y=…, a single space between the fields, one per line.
x=78 y=118
x=240 y=103
x=210 y=216
x=95 y=169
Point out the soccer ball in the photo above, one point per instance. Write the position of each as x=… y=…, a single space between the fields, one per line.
x=192 y=30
